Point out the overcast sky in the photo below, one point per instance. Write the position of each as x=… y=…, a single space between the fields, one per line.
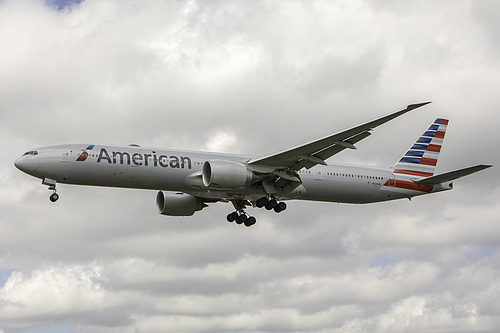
x=249 y=77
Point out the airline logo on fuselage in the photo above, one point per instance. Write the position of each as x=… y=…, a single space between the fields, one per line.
x=144 y=159
x=83 y=155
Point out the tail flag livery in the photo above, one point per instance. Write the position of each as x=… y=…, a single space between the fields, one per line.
x=422 y=157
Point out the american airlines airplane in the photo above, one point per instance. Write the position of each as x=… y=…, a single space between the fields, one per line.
x=189 y=180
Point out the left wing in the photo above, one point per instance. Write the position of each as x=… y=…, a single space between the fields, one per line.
x=316 y=152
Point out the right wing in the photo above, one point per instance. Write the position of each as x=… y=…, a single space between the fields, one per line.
x=316 y=152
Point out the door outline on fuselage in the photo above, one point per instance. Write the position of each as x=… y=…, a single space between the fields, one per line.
x=318 y=175
x=66 y=155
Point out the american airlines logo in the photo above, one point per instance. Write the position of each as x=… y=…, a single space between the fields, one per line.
x=83 y=155
x=139 y=159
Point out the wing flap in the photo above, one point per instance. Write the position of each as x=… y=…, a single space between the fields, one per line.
x=330 y=151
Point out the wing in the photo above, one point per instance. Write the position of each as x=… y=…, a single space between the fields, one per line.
x=316 y=152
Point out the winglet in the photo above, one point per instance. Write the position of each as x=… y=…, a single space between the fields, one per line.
x=417 y=105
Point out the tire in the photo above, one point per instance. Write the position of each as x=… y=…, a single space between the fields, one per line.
x=240 y=219
x=271 y=204
x=230 y=217
x=54 y=197
x=261 y=202
x=250 y=221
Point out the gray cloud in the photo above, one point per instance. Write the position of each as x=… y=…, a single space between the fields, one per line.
x=248 y=77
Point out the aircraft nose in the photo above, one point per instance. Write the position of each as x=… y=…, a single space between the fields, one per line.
x=28 y=163
x=19 y=163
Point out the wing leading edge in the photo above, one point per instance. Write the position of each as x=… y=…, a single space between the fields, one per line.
x=316 y=152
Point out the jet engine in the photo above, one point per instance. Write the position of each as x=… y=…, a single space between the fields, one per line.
x=178 y=204
x=222 y=174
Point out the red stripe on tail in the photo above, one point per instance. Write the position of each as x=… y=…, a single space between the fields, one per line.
x=414 y=173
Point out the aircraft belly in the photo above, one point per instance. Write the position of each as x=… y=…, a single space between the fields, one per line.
x=117 y=175
x=335 y=190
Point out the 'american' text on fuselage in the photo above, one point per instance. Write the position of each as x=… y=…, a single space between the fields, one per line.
x=137 y=159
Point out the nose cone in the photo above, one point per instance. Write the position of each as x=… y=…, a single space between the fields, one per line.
x=26 y=164
x=20 y=163
x=29 y=163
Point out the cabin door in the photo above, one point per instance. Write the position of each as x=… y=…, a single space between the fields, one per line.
x=318 y=174
x=65 y=155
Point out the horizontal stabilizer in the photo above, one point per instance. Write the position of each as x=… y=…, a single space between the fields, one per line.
x=452 y=175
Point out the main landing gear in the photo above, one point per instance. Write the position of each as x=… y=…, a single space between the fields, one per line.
x=241 y=217
x=271 y=204
x=51 y=183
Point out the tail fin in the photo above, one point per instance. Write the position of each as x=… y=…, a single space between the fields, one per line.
x=422 y=157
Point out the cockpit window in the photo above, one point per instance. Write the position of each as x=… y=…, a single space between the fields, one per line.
x=31 y=152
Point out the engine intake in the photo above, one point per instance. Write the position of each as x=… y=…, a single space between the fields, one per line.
x=178 y=204
x=225 y=174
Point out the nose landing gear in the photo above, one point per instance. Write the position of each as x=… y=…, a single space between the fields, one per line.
x=51 y=183
x=54 y=197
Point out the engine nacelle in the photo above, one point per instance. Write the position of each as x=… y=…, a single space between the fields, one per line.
x=225 y=174
x=177 y=204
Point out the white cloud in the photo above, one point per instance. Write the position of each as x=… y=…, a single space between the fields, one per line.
x=221 y=141
x=248 y=77
x=63 y=292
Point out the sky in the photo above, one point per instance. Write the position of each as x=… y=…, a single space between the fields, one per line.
x=251 y=77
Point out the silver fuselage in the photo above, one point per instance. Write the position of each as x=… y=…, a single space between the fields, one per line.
x=180 y=171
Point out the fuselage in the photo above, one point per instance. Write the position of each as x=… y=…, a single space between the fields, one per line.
x=180 y=170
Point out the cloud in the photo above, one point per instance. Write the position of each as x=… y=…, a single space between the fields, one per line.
x=250 y=77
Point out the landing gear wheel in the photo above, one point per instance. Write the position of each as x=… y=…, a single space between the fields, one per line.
x=261 y=202
x=241 y=219
x=51 y=183
x=232 y=217
x=54 y=197
x=250 y=221
x=271 y=204
x=239 y=215
x=280 y=207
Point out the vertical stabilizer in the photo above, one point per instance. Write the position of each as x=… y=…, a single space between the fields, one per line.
x=422 y=157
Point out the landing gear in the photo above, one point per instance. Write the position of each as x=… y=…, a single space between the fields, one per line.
x=271 y=204
x=54 y=197
x=240 y=216
x=51 y=183
x=281 y=206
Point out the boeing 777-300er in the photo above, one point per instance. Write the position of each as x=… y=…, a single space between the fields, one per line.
x=188 y=180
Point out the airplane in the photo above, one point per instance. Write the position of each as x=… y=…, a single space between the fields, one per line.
x=187 y=181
